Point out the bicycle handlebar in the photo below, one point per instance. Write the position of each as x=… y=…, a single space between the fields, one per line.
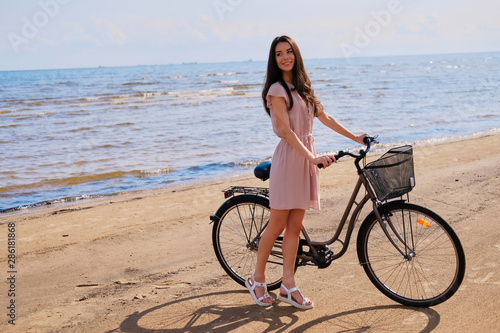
x=368 y=140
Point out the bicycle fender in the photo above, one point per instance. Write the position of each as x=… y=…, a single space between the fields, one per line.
x=216 y=217
x=231 y=201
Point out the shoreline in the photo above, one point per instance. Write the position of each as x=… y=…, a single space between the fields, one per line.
x=242 y=173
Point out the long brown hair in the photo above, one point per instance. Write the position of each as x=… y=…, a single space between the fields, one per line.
x=300 y=79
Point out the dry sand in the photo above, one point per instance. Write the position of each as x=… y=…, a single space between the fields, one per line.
x=143 y=262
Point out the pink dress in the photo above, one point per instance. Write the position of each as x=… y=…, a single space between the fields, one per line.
x=294 y=181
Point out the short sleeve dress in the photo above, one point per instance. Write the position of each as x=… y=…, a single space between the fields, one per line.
x=294 y=181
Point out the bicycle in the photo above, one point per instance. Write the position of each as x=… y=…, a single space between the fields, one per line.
x=407 y=251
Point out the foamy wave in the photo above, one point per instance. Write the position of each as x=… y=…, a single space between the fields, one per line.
x=218 y=74
x=156 y=171
x=206 y=93
x=139 y=83
x=250 y=163
x=232 y=88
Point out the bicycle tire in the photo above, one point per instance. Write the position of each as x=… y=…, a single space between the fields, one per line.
x=239 y=220
x=426 y=276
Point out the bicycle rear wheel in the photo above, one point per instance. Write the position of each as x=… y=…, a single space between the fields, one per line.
x=236 y=235
x=433 y=265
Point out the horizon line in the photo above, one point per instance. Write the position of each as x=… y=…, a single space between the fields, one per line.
x=241 y=61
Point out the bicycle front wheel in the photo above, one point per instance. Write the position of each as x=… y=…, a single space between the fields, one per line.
x=236 y=235
x=432 y=265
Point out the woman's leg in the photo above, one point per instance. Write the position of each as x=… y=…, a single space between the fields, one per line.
x=277 y=224
x=290 y=245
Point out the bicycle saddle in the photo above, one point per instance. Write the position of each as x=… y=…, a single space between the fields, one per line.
x=262 y=170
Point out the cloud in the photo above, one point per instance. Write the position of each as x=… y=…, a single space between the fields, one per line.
x=106 y=27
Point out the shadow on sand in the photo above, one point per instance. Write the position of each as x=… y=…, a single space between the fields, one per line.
x=217 y=312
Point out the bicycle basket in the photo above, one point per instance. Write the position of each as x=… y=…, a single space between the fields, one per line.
x=392 y=174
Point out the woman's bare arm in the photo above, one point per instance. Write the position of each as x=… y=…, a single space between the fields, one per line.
x=332 y=123
x=281 y=115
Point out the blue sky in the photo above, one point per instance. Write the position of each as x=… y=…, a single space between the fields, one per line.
x=46 y=34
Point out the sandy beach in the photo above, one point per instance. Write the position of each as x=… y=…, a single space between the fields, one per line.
x=143 y=261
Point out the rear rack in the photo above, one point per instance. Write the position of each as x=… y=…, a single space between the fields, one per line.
x=230 y=191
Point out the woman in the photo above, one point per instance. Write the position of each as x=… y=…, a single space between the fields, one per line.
x=294 y=180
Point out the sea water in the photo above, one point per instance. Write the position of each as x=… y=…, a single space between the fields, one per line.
x=77 y=133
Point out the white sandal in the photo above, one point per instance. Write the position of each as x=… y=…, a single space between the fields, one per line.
x=290 y=300
x=251 y=287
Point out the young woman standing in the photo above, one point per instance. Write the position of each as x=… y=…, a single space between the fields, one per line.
x=294 y=180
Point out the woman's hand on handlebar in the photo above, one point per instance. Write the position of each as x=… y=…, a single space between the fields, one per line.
x=359 y=138
x=324 y=160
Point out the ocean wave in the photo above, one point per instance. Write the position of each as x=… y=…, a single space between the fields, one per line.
x=192 y=103
x=245 y=86
x=163 y=171
x=140 y=83
x=29 y=116
x=204 y=93
x=8 y=126
x=25 y=189
x=11 y=111
x=487 y=116
x=89 y=99
x=81 y=129
x=25 y=207
x=250 y=163
x=232 y=88
x=171 y=95
x=210 y=166
x=120 y=124
x=217 y=74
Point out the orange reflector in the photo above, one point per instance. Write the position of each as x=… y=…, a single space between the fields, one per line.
x=423 y=223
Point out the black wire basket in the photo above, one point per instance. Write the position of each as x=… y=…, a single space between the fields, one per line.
x=392 y=175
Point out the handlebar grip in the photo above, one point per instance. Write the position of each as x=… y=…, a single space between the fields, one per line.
x=339 y=155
